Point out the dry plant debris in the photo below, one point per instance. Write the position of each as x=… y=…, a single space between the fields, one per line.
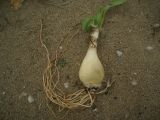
x=16 y=4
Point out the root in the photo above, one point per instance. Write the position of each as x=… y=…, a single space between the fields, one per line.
x=80 y=98
x=109 y=84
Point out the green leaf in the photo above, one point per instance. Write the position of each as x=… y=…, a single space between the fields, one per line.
x=117 y=2
x=86 y=24
x=99 y=18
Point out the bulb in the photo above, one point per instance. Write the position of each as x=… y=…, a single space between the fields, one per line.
x=91 y=72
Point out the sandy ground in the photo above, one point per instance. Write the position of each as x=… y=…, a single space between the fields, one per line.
x=129 y=48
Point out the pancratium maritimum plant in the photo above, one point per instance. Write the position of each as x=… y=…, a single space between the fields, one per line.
x=91 y=72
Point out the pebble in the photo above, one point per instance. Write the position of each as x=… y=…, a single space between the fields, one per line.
x=129 y=30
x=30 y=99
x=66 y=85
x=156 y=25
x=3 y=93
x=60 y=47
x=135 y=73
x=95 y=110
x=149 y=48
x=134 y=83
x=23 y=94
x=119 y=53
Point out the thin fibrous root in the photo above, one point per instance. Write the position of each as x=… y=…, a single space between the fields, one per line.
x=80 y=98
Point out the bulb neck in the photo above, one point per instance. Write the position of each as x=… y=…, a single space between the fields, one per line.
x=94 y=37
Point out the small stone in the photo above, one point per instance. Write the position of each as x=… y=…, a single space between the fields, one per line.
x=156 y=25
x=30 y=99
x=3 y=93
x=135 y=73
x=66 y=85
x=149 y=48
x=95 y=110
x=119 y=53
x=134 y=83
x=23 y=94
x=129 y=30
x=60 y=47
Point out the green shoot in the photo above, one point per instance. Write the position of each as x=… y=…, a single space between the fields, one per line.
x=98 y=19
